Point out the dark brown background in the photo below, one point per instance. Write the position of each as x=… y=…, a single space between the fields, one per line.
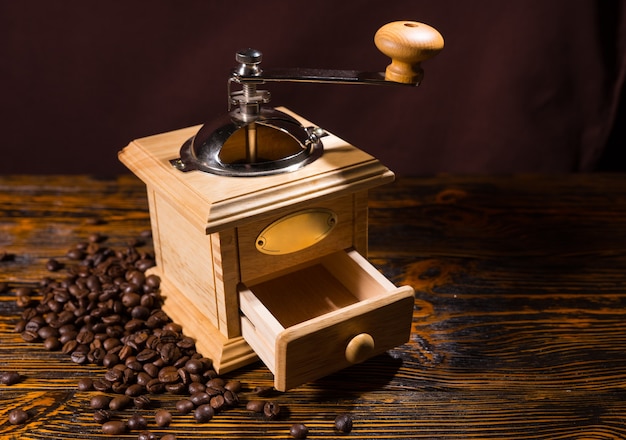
x=522 y=86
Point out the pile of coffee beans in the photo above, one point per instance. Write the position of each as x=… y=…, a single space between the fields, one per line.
x=106 y=311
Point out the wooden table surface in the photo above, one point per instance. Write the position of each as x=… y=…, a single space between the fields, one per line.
x=519 y=327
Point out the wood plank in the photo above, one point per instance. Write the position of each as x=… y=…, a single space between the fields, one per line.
x=518 y=327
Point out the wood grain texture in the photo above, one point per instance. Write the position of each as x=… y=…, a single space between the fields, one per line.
x=519 y=325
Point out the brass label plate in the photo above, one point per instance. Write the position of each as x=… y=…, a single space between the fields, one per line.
x=296 y=231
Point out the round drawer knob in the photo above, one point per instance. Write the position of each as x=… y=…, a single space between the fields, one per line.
x=359 y=348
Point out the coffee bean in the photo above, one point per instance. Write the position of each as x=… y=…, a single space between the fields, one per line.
x=343 y=423
x=200 y=398
x=204 y=413
x=184 y=406
x=155 y=386
x=147 y=435
x=100 y=401
x=114 y=427
x=233 y=385
x=169 y=437
x=299 y=430
x=255 y=405
x=102 y=385
x=142 y=402
x=196 y=387
x=137 y=422
x=119 y=403
x=271 y=410
x=10 y=377
x=263 y=391
x=85 y=384
x=135 y=390
x=168 y=374
x=101 y=416
x=217 y=402
x=163 y=418
x=18 y=417
x=52 y=343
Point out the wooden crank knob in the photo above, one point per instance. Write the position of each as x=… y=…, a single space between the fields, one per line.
x=360 y=348
x=407 y=43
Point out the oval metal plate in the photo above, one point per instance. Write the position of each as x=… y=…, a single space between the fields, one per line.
x=296 y=231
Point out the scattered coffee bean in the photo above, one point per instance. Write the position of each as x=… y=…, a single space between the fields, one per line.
x=142 y=402
x=53 y=265
x=114 y=427
x=119 y=403
x=271 y=410
x=343 y=423
x=18 y=417
x=100 y=401
x=85 y=384
x=299 y=430
x=101 y=416
x=147 y=435
x=137 y=422
x=169 y=437
x=204 y=413
x=9 y=377
x=263 y=391
x=255 y=406
x=163 y=418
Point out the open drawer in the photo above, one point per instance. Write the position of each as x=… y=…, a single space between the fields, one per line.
x=323 y=316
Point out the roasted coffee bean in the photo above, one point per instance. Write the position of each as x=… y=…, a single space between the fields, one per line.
x=10 y=377
x=85 y=384
x=185 y=406
x=233 y=386
x=162 y=418
x=155 y=386
x=271 y=410
x=30 y=335
x=119 y=403
x=135 y=390
x=147 y=435
x=343 y=423
x=263 y=391
x=204 y=413
x=299 y=430
x=18 y=417
x=194 y=366
x=52 y=343
x=196 y=387
x=114 y=427
x=142 y=402
x=47 y=331
x=169 y=437
x=176 y=388
x=110 y=359
x=79 y=357
x=101 y=385
x=200 y=398
x=230 y=398
x=101 y=416
x=119 y=387
x=151 y=369
x=168 y=374
x=255 y=405
x=114 y=374
x=100 y=401
x=137 y=422
x=217 y=402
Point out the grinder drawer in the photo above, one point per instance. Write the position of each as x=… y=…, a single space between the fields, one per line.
x=323 y=316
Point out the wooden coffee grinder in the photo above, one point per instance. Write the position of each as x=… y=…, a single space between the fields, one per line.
x=259 y=221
